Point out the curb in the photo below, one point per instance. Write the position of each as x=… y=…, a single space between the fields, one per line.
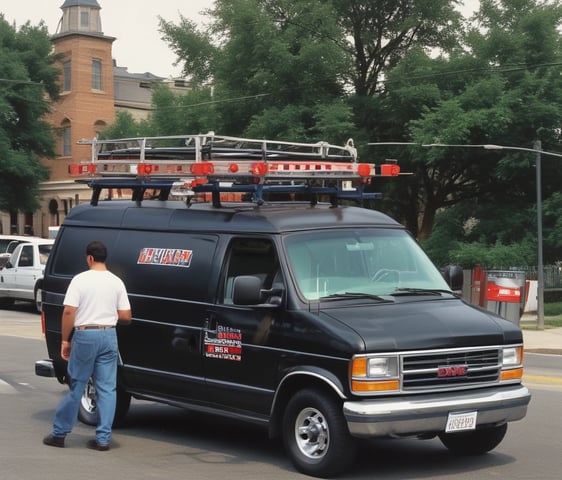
x=544 y=351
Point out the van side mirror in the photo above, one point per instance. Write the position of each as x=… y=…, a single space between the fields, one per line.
x=246 y=290
x=454 y=277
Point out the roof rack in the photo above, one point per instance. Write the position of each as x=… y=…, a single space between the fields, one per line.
x=215 y=164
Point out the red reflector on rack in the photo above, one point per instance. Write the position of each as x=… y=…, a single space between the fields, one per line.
x=259 y=169
x=195 y=182
x=233 y=168
x=202 y=168
x=390 y=170
x=144 y=168
x=364 y=170
x=81 y=168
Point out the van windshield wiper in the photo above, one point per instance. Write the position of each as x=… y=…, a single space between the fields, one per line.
x=356 y=295
x=420 y=291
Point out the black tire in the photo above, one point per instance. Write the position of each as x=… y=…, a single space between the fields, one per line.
x=316 y=436
x=38 y=294
x=476 y=442
x=88 y=414
x=6 y=302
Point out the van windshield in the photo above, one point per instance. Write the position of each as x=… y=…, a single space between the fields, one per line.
x=366 y=261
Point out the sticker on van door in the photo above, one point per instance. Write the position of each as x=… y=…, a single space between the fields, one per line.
x=224 y=343
x=172 y=257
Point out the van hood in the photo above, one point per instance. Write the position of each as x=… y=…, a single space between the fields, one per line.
x=409 y=324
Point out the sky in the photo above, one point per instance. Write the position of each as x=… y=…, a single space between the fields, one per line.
x=134 y=24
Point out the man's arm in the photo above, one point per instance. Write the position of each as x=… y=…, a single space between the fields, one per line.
x=67 y=325
x=124 y=317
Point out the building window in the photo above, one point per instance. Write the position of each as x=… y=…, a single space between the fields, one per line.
x=84 y=19
x=67 y=78
x=96 y=74
x=66 y=141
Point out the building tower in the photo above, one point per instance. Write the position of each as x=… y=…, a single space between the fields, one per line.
x=86 y=104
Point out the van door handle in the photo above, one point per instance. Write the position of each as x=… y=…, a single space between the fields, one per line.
x=210 y=322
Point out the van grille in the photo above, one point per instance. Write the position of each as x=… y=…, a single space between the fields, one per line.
x=450 y=369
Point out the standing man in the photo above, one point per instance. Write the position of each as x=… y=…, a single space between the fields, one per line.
x=94 y=302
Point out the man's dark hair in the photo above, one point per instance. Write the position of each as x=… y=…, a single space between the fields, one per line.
x=97 y=250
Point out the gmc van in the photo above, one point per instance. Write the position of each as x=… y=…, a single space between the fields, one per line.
x=325 y=324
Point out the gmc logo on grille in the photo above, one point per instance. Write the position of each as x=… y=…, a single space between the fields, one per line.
x=452 y=371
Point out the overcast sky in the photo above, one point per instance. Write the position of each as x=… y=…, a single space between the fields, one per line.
x=134 y=24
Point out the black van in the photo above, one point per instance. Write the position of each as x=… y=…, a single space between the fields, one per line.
x=326 y=324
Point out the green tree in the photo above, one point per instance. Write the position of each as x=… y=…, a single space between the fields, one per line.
x=491 y=91
x=274 y=59
x=378 y=35
x=28 y=81
x=194 y=112
x=125 y=126
x=277 y=63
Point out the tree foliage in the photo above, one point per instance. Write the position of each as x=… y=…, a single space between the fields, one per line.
x=395 y=71
x=497 y=89
x=28 y=79
x=378 y=35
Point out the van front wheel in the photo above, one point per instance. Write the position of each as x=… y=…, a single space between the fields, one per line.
x=315 y=434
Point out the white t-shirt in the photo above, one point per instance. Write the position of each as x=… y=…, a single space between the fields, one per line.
x=98 y=294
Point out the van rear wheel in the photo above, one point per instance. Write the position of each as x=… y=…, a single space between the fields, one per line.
x=38 y=299
x=315 y=434
x=88 y=413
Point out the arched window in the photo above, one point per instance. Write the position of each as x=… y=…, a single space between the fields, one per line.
x=54 y=212
x=99 y=126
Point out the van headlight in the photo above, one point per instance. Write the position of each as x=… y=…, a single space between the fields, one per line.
x=512 y=363
x=377 y=373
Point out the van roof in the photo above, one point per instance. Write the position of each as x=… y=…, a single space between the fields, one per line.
x=269 y=218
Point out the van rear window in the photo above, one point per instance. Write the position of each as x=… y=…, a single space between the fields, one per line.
x=162 y=264
x=70 y=256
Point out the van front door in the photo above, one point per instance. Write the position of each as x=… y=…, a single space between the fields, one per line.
x=239 y=361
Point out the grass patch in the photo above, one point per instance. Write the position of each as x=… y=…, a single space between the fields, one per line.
x=552 y=322
x=552 y=317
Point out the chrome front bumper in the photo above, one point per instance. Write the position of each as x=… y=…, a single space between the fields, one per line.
x=426 y=414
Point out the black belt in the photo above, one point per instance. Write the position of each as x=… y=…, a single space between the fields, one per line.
x=94 y=327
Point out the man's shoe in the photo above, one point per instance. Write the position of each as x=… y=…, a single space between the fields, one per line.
x=94 y=445
x=53 y=441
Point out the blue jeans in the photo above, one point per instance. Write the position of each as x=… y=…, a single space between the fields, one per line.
x=94 y=352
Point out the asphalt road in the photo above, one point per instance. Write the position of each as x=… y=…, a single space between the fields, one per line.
x=163 y=442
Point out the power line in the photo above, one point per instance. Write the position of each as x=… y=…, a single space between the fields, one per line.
x=503 y=69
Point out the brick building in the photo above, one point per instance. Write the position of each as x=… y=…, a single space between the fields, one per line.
x=93 y=88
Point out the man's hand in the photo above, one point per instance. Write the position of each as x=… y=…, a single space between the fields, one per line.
x=65 y=350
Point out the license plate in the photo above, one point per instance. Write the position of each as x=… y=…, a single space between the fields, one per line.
x=458 y=422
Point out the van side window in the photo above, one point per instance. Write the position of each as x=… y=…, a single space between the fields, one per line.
x=250 y=256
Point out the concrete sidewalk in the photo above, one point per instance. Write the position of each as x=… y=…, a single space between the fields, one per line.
x=548 y=340
x=542 y=341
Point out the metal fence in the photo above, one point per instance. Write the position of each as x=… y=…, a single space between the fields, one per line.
x=552 y=275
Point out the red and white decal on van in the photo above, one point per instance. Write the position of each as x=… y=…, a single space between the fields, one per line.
x=173 y=257
x=225 y=343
